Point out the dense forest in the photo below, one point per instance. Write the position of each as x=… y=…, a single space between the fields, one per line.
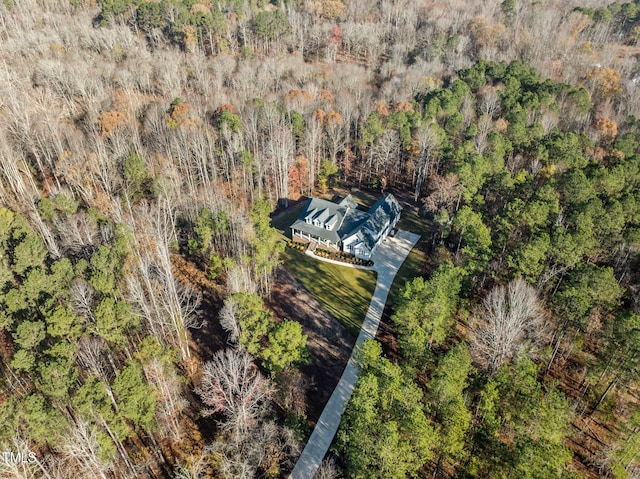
x=144 y=148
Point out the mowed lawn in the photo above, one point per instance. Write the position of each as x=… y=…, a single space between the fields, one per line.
x=345 y=292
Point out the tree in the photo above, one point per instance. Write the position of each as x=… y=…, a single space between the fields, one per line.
x=27 y=464
x=424 y=312
x=105 y=266
x=384 y=432
x=528 y=260
x=476 y=236
x=94 y=404
x=587 y=292
x=113 y=320
x=232 y=386
x=270 y=26
x=29 y=334
x=29 y=252
x=287 y=346
x=446 y=399
x=427 y=145
x=136 y=175
x=446 y=194
x=44 y=424
x=136 y=398
x=267 y=246
x=327 y=470
x=159 y=366
x=624 y=456
x=57 y=375
x=326 y=174
x=509 y=317
x=620 y=358
x=62 y=322
x=82 y=453
x=247 y=321
x=522 y=428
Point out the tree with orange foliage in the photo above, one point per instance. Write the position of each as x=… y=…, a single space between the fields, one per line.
x=299 y=177
x=606 y=130
x=403 y=106
x=109 y=121
x=319 y=115
x=604 y=82
x=485 y=35
x=382 y=109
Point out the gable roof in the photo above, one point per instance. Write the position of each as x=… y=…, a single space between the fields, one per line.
x=349 y=202
x=345 y=220
x=380 y=215
x=323 y=212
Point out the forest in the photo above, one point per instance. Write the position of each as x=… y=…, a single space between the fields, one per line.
x=146 y=150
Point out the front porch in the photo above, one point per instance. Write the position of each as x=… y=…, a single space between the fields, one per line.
x=312 y=239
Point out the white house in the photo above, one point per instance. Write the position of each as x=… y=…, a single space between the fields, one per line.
x=343 y=227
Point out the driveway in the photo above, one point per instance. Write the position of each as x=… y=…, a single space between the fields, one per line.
x=387 y=261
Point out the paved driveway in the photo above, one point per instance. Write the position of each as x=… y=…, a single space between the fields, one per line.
x=387 y=261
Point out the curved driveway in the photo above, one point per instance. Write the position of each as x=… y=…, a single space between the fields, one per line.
x=387 y=261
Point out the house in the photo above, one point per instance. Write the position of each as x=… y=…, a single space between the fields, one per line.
x=343 y=227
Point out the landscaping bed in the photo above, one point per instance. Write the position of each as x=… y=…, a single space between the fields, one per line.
x=342 y=257
x=299 y=245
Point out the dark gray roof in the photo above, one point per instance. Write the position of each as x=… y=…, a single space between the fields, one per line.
x=382 y=213
x=348 y=201
x=345 y=220
x=321 y=211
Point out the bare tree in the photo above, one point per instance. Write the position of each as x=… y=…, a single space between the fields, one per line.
x=241 y=458
x=24 y=464
x=195 y=469
x=169 y=307
x=96 y=358
x=386 y=150
x=81 y=454
x=511 y=316
x=327 y=469
x=427 y=143
x=446 y=193
x=171 y=398
x=233 y=386
x=249 y=456
x=229 y=319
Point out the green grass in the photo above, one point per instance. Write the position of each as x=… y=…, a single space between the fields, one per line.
x=283 y=220
x=413 y=266
x=411 y=221
x=364 y=199
x=344 y=292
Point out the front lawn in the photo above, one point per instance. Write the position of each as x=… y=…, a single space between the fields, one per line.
x=344 y=292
